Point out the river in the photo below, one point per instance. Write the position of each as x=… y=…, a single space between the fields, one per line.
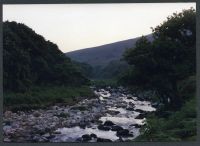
x=116 y=115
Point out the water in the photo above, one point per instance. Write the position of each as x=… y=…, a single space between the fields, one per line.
x=113 y=106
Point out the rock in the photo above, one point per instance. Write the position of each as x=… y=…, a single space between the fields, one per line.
x=47 y=135
x=108 y=123
x=122 y=105
x=56 y=132
x=6 y=140
x=86 y=137
x=55 y=108
x=38 y=138
x=120 y=139
x=102 y=127
x=63 y=115
x=8 y=123
x=7 y=130
x=79 y=139
x=139 y=110
x=130 y=109
x=8 y=114
x=111 y=112
x=129 y=97
x=36 y=114
x=136 y=125
x=103 y=140
x=131 y=104
x=141 y=116
x=82 y=125
x=116 y=128
x=93 y=135
x=124 y=133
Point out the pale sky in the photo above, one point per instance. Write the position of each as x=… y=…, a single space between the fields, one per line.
x=79 y=26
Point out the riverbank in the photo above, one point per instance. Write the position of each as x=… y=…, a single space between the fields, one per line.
x=179 y=126
x=116 y=115
x=44 y=96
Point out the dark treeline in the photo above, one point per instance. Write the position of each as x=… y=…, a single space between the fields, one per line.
x=30 y=60
x=112 y=71
x=170 y=58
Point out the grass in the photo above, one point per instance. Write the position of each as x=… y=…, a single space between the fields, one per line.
x=40 y=97
x=101 y=83
x=179 y=125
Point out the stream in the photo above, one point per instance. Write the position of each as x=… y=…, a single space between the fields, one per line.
x=116 y=115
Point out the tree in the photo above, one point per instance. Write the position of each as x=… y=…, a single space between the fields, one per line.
x=160 y=64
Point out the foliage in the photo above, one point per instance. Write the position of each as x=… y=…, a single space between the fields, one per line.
x=84 y=68
x=104 y=83
x=159 y=65
x=179 y=126
x=111 y=71
x=45 y=95
x=28 y=59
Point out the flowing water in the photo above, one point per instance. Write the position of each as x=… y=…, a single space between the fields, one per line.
x=121 y=109
x=116 y=115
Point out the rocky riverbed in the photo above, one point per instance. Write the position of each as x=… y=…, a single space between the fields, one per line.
x=115 y=115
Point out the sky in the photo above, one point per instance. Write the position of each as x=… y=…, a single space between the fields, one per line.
x=78 y=26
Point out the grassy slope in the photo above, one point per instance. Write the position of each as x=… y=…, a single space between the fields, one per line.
x=38 y=97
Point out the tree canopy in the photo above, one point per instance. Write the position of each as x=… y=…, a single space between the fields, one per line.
x=159 y=65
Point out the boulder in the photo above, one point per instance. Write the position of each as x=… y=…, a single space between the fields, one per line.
x=36 y=114
x=105 y=128
x=130 y=109
x=139 y=110
x=129 y=97
x=82 y=125
x=86 y=137
x=116 y=128
x=93 y=135
x=124 y=133
x=108 y=123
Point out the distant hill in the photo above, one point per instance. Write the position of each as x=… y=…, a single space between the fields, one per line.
x=103 y=55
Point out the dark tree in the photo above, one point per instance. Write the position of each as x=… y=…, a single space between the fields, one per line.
x=170 y=58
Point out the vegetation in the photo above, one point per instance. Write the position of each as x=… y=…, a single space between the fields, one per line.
x=102 y=83
x=35 y=70
x=170 y=58
x=179 y=126
x=31 y=60
x=84 y=68
x=38 y=74
x=37 y=97
x=111 y=71
x=167 y=66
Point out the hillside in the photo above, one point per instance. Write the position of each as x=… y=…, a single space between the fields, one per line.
x=102 y=55
x=30 y=60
